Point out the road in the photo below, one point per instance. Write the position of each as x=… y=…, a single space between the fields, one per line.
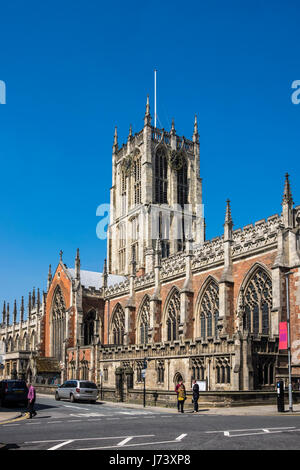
x=61 y=425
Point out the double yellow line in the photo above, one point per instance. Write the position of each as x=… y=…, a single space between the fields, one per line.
x=25 y=416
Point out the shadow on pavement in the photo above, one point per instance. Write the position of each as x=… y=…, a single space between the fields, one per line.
x=9 y=446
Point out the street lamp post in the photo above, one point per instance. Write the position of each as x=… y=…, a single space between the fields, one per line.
x=289 y=338
x=144 y=373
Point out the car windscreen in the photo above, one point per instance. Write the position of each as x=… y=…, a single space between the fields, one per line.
x=87 y=385
x=19 y=385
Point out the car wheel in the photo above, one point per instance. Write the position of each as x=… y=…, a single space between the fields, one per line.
x=2 y=403
x=57 y=397
x=93 y=401
x=72 y=399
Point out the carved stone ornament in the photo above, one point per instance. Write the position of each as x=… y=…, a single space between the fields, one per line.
x=176 y=160
x=127 y=164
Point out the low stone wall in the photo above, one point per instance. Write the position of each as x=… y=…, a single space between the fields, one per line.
x=169 y=399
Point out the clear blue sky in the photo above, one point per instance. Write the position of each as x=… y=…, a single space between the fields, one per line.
x=75 y=69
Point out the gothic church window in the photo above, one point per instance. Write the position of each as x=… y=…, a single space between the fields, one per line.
x=137 y=180
x=123 y=191
x=122 y=247
x=88 y=327
x=209 y=311
x=58 y=324
x=182 y=184
x=118 y=326
x=257 y=298
x=144 y=321
x=161 y=177
x=160 y=372
x=135 y=238
x=182 y=199
x=173 y=317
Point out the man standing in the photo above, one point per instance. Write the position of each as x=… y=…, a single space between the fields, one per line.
x=31 y=400
x=195 y=396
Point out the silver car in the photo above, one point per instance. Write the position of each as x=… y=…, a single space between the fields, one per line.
x=77 y=390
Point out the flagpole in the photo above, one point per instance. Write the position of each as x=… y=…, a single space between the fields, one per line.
x=155 y=98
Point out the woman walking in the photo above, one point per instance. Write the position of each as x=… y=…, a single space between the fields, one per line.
x=181 y=396
x=31 y=400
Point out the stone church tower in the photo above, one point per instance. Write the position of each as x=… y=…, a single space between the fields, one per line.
x=156 y=194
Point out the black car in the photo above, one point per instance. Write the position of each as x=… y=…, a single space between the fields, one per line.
x=13 y=391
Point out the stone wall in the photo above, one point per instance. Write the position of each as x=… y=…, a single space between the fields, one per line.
x=168 y=399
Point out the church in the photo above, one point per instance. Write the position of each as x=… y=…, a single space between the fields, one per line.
x=169 y=304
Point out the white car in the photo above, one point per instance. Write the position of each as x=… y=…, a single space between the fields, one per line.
x=74 y=390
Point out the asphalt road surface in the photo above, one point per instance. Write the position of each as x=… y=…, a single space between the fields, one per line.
x=61 y=425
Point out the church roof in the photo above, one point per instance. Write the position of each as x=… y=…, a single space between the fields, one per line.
x=95 y=279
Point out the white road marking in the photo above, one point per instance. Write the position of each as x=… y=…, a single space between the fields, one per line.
x=133 y=445
x=89 y=439
x=122 y=443
x=179 y=438
x=253 y=432
x=253 y=429
x=61 y=444
x=76 y=407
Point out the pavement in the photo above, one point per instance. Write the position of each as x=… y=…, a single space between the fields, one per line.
x=8 y=414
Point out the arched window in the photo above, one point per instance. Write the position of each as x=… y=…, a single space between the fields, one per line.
x=17 y=342
x=32 y=341
x=25 y=342
x=160 y=372
x=122 y=246
x=209 y=310
x=161 y=176
x=182 y=183
x=118 y=326
x=173 y=316
x=144 y=321
x=257 y=299
x=137 y=180
x=89 y=327
x=123 y=191
x=182 y=199
x=58 y=324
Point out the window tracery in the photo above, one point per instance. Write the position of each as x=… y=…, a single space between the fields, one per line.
x=257 y=303
x=209 y=311
x=173 y=317
x=118 y=326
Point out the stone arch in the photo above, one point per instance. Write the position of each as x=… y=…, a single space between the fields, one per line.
x=10 y=344
x=178 y=377
x=255 y=300
x=161 y=174
x=143 y=320
x=89 y=326
x=58 y=323
x=117 y=325
x=171 y=316
x=32 y=342
x=205 y=295
x=25 y=342
x=17 y=342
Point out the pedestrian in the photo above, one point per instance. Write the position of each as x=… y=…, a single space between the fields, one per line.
x=176 y=390
x=181 y=395
x=195 y=396
x=31 y=400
